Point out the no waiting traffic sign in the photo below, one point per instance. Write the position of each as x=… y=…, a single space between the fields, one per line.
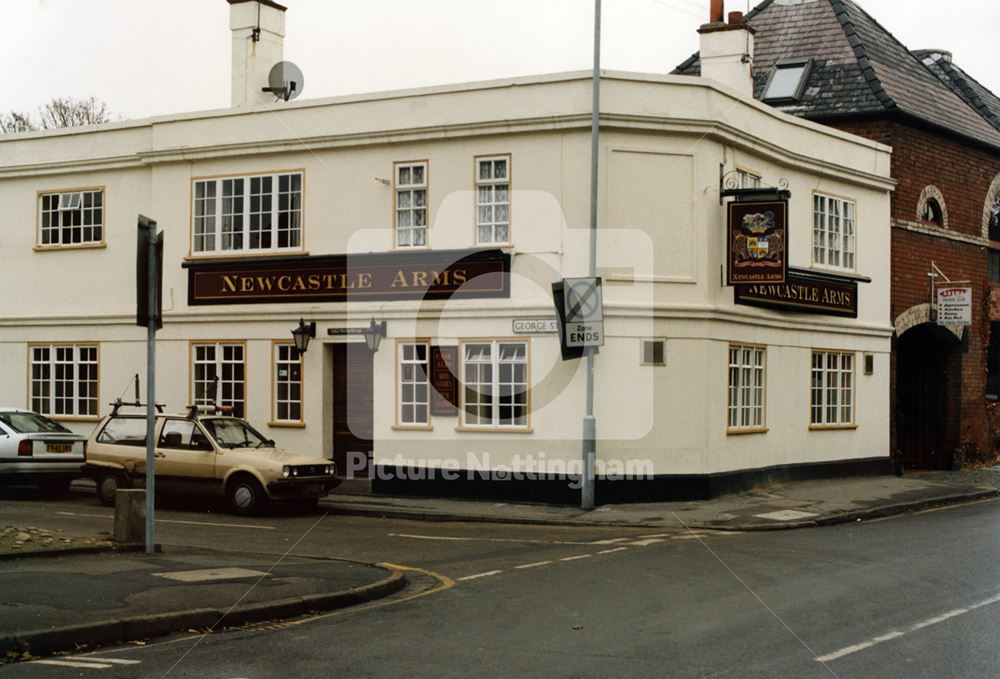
x=584 y=312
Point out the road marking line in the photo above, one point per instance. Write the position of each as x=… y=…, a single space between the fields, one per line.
x=657 y=535
x=836 y=655
x=115 y=661
x=73 y=663
x=614 y=540
x=188 y=523
x=430 y=537
x=645 y=543
x=478 y=575
x=578 y=556
x=533 y=565
x=612 y=551
x=527 y=541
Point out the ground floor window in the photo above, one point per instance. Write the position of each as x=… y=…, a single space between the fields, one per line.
x=219 y=375
x=64 y=379
x=746 y=387
x=832 y=388
x=414 y=389
x=287 y=387
x=495 y=384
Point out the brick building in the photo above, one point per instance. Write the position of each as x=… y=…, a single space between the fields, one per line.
x=831 y=62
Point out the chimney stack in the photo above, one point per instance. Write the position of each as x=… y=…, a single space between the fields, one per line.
x=258 y=29
x=727 y=49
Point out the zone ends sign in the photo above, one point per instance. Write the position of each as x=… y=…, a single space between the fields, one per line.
x=580 y=308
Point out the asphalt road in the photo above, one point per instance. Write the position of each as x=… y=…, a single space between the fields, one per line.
x=916 y=596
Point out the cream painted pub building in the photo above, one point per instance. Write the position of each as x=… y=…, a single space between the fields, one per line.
x=448 y=213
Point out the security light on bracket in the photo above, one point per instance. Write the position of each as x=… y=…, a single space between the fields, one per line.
x=285 y=81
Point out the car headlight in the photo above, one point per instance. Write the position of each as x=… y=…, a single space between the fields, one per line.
x=285 y=471
x=329 y=469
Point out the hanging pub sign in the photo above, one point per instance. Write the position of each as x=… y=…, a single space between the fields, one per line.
x=440 y=274
x=757 y=242
x=804 y=292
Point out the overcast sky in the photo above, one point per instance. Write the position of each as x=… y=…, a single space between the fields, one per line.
x=151 y=57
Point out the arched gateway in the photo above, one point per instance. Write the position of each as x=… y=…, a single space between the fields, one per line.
x=927 y=389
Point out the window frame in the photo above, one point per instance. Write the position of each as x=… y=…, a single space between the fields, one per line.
x=841 y=252
x=396 y=188
x=75 y=416
x=245 y=215
x=788 y=64
x=742 y=172
x=217 y=343
x=83 y=245
x=275 y=362
x=754 y=427
x=398 y=350
x=825 y=405
x=494 y=426
x=477 y=183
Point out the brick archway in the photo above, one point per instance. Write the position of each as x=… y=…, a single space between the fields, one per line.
x=920 y=314
x=932 y=193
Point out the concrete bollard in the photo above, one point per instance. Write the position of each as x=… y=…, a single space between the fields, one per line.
x=130 y=516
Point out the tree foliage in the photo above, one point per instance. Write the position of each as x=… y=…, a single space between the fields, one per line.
x=59 y=112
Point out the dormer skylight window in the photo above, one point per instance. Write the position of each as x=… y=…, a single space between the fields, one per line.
x=787 y=81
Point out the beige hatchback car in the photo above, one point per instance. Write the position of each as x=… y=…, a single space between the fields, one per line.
x=205 y=455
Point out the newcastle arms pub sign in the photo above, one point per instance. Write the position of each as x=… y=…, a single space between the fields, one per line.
x=441 y=274
x=757 y=242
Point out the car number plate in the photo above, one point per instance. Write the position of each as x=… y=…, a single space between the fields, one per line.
x=312 y=489
x=58 y=447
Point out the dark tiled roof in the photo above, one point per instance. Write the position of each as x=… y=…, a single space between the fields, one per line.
x=858 y=68
x=975 y=94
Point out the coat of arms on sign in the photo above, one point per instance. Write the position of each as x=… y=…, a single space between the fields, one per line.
x=752 y=243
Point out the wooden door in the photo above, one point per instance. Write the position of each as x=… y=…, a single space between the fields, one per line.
x=353 y=408
x=923 y=436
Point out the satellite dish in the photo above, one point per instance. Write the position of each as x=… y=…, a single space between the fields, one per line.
x=285 y=80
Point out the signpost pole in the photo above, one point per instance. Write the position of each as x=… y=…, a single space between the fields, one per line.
x=152 y=274
x=589 y=421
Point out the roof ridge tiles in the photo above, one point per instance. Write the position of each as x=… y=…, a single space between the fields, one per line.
x=861 y=54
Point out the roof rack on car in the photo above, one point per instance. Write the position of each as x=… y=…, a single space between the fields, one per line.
x=196 y=409
x=118 y=403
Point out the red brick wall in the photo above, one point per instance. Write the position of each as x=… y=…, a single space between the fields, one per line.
x=963 y=173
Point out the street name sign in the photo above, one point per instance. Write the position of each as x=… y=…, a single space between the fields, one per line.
x=532 y=326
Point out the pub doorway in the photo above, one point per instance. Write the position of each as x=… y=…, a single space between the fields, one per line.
x=353 y=409
x=928 y=397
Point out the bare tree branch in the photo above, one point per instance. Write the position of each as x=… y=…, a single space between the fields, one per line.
x=60 y=112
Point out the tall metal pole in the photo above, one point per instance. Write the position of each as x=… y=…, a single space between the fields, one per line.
x=589 y=421
x=151 y=384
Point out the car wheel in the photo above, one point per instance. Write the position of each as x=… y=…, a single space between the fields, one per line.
x=108 y=484
x=246 y=496
x=54 y=488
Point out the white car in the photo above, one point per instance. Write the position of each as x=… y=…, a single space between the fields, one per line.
x=35 y=450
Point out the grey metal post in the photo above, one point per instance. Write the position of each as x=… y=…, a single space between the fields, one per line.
x=150 y=385
x=589 y=421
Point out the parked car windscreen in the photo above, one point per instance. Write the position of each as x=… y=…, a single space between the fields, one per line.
x=230 y=432
x=30 y=423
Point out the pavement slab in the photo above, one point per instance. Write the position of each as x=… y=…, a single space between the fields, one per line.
x=64 y=600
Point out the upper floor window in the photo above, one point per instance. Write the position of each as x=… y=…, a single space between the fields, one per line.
x=787 y=81
x=411 y=204
x=63 y=379
x=72 y=218
x=747 y=180
x=994 y=223
x=253 y=213
x=833 y=232
x=932 y=213
x=493 y=200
